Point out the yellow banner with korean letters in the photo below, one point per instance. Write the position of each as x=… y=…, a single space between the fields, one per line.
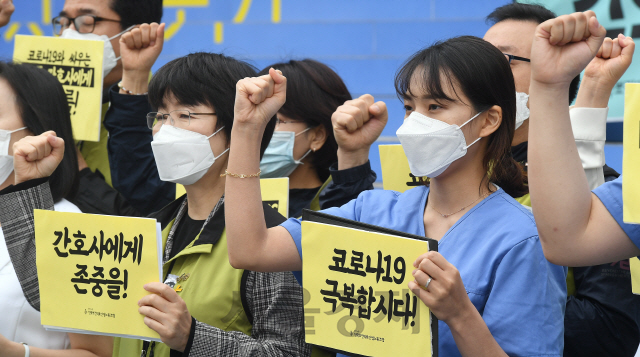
x=631 y=155
x=275 y=192
x=77 y=64
x=356 y=284
x=396 y=174
x=91 y=271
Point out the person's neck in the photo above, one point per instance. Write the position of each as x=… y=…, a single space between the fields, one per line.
x=203 y=195
x=304 y=176
x=448 y=194
x=9 y=181
x=521 y=134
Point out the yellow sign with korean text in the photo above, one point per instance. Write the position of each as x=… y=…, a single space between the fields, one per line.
x=356 y=282
x=77 y=64
x=396 y=174
x=91 y=271
x=275 y=192
x=631 y=154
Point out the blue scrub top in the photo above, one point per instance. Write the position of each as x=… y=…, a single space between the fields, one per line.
x=610 y=193
x=496 y=249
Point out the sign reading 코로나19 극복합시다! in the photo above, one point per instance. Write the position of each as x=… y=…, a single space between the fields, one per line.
x=356 y=282
x=77 y=64
x=92 y=269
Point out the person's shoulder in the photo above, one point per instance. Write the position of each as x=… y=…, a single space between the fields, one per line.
x=513 y=218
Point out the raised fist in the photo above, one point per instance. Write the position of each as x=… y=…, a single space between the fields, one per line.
x=611 y=61
x=37 y=156
x=358 y=123
x=6 y=10
x=562 y=47
x=258 y=99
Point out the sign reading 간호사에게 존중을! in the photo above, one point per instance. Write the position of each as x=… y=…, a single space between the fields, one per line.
x=92 y=269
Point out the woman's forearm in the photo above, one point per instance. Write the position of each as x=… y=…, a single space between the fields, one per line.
x=560 y=195
x=473 y=338
x=244 y=215
x=81 y=346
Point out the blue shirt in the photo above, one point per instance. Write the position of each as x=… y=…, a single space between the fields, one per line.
x=610 y=193
x=496 y=249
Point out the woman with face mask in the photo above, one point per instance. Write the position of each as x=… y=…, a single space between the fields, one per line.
x=193 y=97
x=33 y=102
x=490 y=276
x=303 y=146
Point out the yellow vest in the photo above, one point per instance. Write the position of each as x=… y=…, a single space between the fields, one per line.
x=212 y=292
x=571 y=284
x=95 y=153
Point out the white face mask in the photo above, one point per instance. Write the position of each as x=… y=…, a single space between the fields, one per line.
x=6 y=160
x=109 y=61
x=522 y=111
x=182 y=156
x=431 y=145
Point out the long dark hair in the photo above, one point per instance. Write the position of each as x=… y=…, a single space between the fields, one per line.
x=203 y=78
x=43 y=106
x=314 y=92
x=481 y=71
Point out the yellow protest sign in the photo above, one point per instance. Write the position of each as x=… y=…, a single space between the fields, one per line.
x=396 y=174
x=357 y=285
x=634 y=266
x=78 y=66
x=92 y=269
x=275 y=192
x=631 y=154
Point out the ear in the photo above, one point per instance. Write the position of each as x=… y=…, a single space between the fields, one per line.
x=317 y=137
x=491 y=122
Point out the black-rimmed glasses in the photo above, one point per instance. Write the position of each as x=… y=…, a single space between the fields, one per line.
x=82 y=23
x=177 y=118
x=517 y=58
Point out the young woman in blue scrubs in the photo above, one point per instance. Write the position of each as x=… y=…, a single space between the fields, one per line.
x=576 y=227
x=490 y=277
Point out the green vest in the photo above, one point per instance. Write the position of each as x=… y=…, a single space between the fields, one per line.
x=571 y=283
x=213 y=291
x=95 y=153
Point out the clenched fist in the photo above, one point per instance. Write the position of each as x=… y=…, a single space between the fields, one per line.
x=258 y=99
x=357 y=124
x=6 y=10
x=37 y=156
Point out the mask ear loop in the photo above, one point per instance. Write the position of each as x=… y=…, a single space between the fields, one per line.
x=299 y=161
x=210 y=136
x=120 y=34
x=465 y=123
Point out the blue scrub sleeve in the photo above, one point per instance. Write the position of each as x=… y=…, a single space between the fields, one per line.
x=293 y=225
x=525 y=308
x=610 y=193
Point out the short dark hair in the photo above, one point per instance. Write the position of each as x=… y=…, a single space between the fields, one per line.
x=314 y=92
x=478 y=69
x=135 y=12
x=203 y=78
x=42 y=104
x=534 y=13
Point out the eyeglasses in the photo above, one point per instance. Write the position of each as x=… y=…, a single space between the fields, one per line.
x=177 y=118
x=82 y=23
x=512 y=57
x=280 y=122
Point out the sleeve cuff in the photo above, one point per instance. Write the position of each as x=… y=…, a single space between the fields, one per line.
x=132 y=105
x=24 y=185
x=589 y=123
x=353 y=174
x=187 y=348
